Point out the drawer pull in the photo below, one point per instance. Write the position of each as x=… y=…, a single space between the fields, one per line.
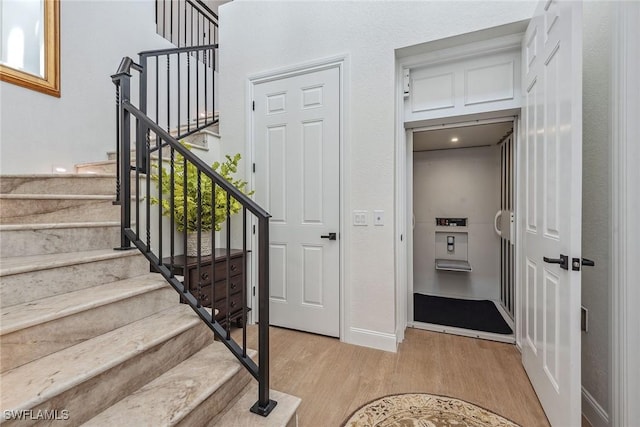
x=234 y=267
x=233 y=285
x=205 y=276
x=232 y=304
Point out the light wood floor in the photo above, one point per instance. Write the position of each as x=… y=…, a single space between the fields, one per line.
x=334 y=379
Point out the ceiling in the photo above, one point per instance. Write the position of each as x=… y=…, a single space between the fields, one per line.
x=468 y=136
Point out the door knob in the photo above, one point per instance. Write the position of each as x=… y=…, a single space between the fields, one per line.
x=577 y=262
x=563 y=261
x=330 y=236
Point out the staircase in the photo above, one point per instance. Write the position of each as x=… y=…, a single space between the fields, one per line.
x=89 y=337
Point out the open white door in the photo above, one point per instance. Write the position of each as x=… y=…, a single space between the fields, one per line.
x=552 y=216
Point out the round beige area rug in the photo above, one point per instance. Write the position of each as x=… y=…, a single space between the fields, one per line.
x=424 y=410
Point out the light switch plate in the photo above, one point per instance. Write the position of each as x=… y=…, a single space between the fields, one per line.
x=360 y=218
x=378 y=217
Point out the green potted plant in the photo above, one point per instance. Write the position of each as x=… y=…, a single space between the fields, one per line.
x=213 y=210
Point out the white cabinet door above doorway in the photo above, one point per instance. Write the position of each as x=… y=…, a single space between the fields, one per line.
x=296 y=143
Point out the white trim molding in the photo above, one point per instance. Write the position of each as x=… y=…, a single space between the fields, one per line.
x=373 y=339
x=625 y=205
x=592 y=410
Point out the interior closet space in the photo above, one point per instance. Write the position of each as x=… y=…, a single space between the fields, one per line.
x=463 y=272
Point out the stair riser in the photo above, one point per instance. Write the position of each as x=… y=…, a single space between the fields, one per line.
x=58 y=185
x=216 y=402
x=105 y=168
x=30 y=286
x=32 y=343
x=94 y=395
x=58 y=240
x=46 y=211
x=109 y=166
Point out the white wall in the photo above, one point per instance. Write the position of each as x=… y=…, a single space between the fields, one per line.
x=256 y=36
x=596 y=228
x=38 y=131
x=461 y=183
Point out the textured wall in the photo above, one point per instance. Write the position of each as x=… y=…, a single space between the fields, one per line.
x=257 y=36
x=38 y=131
x=457 y=183
x=596 y=200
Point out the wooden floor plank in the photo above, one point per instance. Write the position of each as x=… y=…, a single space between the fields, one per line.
x=333 y=379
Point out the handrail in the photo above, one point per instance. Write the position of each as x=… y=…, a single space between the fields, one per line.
x=183 y=49
x=146 y=234
x=207 y=9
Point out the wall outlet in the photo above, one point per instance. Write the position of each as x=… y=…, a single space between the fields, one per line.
x=360 y=218
x=378 y=217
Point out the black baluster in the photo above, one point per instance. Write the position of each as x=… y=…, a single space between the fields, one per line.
x=160 y=194
x=169 y=93
x=199 y=234
x=157 y=89
x=244 y=282
x=188 y=92
x=148 y=198
x=172 y=220
x=179 y=97
x=184 y=214
x=213 y=250
x=206 y=117
x=228 y=223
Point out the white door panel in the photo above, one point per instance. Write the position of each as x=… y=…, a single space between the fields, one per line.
x=296 y=140
x=552 y=190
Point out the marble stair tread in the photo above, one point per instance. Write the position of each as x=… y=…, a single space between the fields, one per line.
x=173 y=396
x=32 y=196
x=58 y=183
x=238 y=414
x=49 y=238
x=48 y=208
x=38 y=381
x=33 y=277
x=25 y=264
x=21 y=316
x=58 y=225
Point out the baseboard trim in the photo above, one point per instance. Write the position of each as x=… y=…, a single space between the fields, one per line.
x=373 y=339
x=592 y=410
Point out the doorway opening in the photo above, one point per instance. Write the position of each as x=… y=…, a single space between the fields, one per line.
x=463 y=246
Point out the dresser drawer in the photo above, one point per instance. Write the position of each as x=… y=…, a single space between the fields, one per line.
x=235 y=286
x=235 y=304
x=235 y=268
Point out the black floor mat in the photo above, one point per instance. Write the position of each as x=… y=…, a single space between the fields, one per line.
x=461 y=313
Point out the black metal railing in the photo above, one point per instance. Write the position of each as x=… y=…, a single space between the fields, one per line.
x=160 y=157
x=178 y=90
x=186 y=22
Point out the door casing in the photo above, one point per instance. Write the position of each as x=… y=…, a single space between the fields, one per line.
x=403 y=197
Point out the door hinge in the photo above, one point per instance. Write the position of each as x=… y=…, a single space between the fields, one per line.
x=584 y=319
x=406 y=82
x=254 y=291
x=254 y=168
x=253 y=105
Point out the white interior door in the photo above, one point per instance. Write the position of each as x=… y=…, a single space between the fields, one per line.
x=552 y=188
x=297 y=151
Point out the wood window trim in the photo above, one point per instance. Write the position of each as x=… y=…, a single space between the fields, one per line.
x=50 y=84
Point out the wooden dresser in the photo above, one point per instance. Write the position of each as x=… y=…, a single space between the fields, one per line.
x=200 y=284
